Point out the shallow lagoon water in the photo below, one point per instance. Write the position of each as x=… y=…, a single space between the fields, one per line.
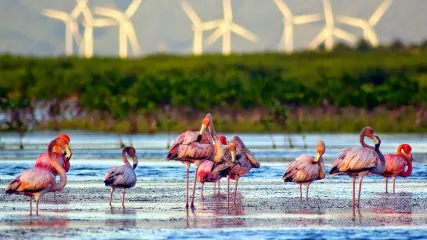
x=266 y=207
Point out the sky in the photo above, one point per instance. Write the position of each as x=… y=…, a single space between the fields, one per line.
x=162 y=25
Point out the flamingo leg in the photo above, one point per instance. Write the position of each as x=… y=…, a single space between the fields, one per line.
x=219 y=187
x=386 y=185
x=300 y=192
x=31 y=206
x=37 y=206
x=354 y=190
x=123 y=196
x=306 y=194
x=235 y=190
x=111 y=195
x=202 y=189
x=194 y=186
x=214 y=189
x=360 y=190
x=228 y=191
x=187 y=165
x=394 y=181
x=54 y=196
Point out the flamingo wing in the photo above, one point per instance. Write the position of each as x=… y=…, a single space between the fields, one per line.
x=302 y=170
x=120 y=176
x=394 y=164
x=32 y=180
x=354 y=160
x=206 y=172
x=186 y=147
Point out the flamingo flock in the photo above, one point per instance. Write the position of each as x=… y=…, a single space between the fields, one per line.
x=214 y=158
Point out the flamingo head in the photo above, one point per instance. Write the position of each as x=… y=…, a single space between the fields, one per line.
x=64 y=145
x=320 y=150
x=205 y=124
x=132 y=153
x=66 y=138
x=368 y=132
x=232 y=148
x=407 y=149
x=223 y=140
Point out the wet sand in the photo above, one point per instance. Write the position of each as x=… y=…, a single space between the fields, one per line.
x=156 y=206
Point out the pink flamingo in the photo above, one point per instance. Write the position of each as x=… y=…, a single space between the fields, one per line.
x=395 y=164
x=242 y=160
x=36 y=182
x=43 y=160
x=122 y=176
x=195 y=147
x=306 y=169
x=360 y=161
x=205 y=172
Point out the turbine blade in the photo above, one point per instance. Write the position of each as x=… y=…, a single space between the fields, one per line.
x=74 y=29
x=134 y=5
x=103 y=22
x=373 y=20
x=319 y=38
x=372 y=36
x=190 y=13
x=87 y=15
x=56 y=14
x=357 y=22
x=81 y=4
x=109 y=12
x=307 y=18
x=213 y=37
x=211 y=25
x=130 y=31
x=339 y=33
x=287 y=14
x=243 y=32
x=327 y=8
x=228 y=12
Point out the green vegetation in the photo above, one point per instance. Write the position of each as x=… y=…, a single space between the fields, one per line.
x=270 y=92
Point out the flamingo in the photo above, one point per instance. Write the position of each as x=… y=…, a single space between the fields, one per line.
x=395 y=164
x=122 y=176
x=195 y=147
x=359 y=161
x=242 y=162
x=205 y=172
x=36 y=182
x=306 y=169
x=43 y=160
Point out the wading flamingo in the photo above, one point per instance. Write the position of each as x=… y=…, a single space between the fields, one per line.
x=195 y=147
x=36 y=182
x=43 y=160
x=122 y=176
x=205 y=171
x=359 y=161
x=395 y=164
x=306 y=169
x=242 y=160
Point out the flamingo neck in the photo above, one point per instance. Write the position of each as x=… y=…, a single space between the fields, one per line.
x=408 y=170
x=124 y=159
x=62 y=175
x=362 y=139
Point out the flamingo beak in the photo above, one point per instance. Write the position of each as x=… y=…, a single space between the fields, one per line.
x=412 y=158
x=202 y=130
x=316 y=159
x=135 y=162
x=68 y=153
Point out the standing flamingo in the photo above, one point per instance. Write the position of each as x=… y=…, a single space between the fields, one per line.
x=205 y=171
x=43 y=160
x=395 y=164
x=122 y=176
x=195 y=147
x=359 y=161
x=38 y=181
x=306 y=169
x=242 y=160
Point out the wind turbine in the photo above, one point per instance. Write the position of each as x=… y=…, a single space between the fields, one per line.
x=330 y=30
x=226 y=26
x=198 y=27
x=126 y=29
x=70 y=20
x=289 y=20
x=367 y=25
x=86 y=48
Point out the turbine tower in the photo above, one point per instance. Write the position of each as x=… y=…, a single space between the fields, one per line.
x=198 y=27
x=330 y=30
x=126 y=29
x=86 y=48
x=367 y=25
x=71 y=28
x=289 y=20
x=226 y=26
